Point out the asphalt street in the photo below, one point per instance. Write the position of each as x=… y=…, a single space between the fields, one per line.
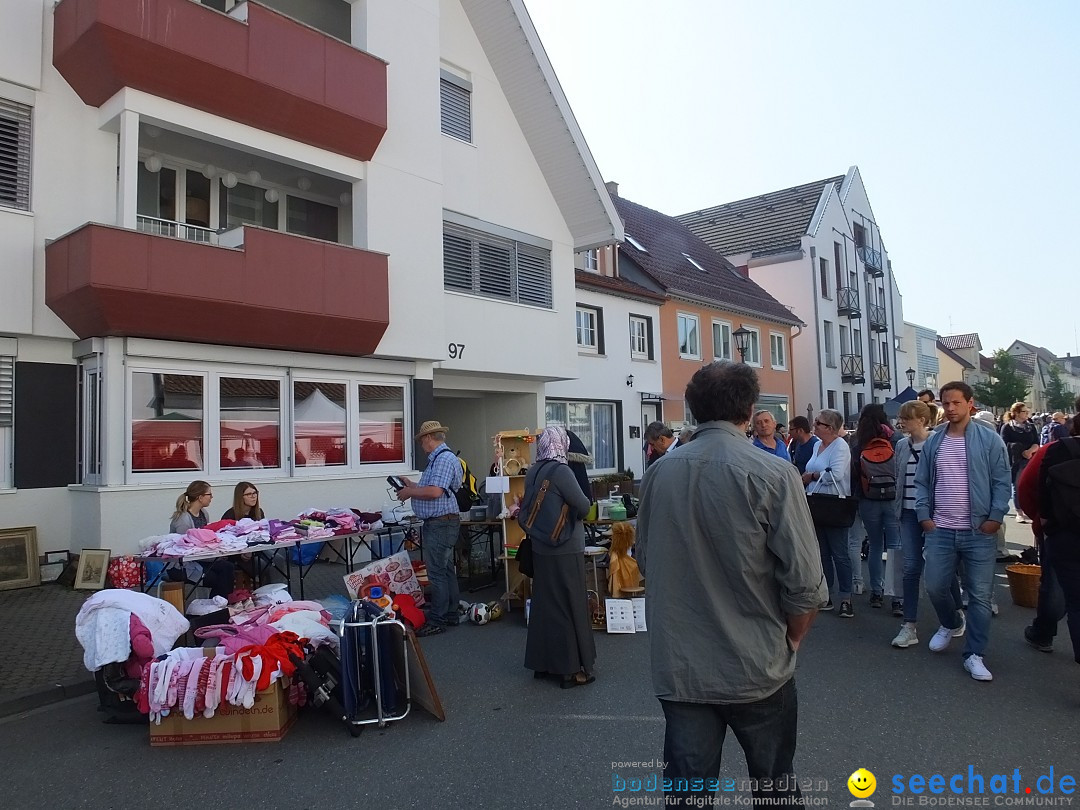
x=512 y=742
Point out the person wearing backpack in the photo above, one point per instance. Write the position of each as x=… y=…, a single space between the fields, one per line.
x=435 y=502
x=1059 y=519
x=874 y=477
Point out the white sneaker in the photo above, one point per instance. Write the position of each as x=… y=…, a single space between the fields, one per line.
x=906 y=637
x=977 y=669
x=941 y=639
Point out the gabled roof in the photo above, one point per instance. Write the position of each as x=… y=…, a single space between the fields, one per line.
x=945 y=350
x=1043 y=354
x=616 y=286
x=1026 y=363
x=986 y=364
x=517 y=56
x=668 y=243
x=968 y=341
x=767 y=223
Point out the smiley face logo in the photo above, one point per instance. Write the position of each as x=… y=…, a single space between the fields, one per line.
x=861 y=783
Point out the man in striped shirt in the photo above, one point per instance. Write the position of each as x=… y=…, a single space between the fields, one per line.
x=962 y=488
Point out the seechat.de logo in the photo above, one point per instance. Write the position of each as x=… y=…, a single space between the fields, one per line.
x=862 y=784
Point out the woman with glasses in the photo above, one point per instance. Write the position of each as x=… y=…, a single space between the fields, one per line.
x=245 y=503
x=828 y=472
x=1022 y=440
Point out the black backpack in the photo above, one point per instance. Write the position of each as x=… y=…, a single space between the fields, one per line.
x=1063 y=481
x=466 y=495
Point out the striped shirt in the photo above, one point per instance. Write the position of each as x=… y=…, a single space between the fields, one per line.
x=952 y=509
x=909 y=474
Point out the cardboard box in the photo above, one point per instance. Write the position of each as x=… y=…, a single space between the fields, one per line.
x=267 y=721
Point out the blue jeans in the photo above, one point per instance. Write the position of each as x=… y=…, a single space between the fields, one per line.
x=854 y=540
x=766 y=729
x=833 y=545
x=975 y=553
x=911 y=537
x=440 y=537
x=883 y=531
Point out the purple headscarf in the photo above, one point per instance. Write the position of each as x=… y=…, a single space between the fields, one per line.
x=552 y=444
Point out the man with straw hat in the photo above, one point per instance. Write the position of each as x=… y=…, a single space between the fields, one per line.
x=434 y=502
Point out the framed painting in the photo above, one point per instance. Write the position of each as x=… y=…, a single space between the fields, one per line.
x=93 y=569
x=19 y=558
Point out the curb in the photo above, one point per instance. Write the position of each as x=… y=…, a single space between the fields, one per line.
x=43 y=696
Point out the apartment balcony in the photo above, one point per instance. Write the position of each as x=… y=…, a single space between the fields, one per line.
x=851 y=369
x=872 y=261
x=876 y=317
x=882 y=377
x=847 y=302
x=253 y=65
x=275 y=291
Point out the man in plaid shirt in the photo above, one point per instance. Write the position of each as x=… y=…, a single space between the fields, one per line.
x=434 y=502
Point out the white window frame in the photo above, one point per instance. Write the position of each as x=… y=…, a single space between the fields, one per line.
x=212 y=373
x=692 y=352
x=591 y=261
x=719 y=355
x=581 y=330
x=778 y=339
x=692 y=261
x=642 y=335
x=845 y=340
x=828 y=347
x=615 y=428
x=91 y=429
x=753 y=350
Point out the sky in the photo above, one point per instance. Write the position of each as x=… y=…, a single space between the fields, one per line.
x=962 y=117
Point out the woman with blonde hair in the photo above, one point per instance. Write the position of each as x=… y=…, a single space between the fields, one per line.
x=916 y=421
x=191 y=508
x=1022 y=441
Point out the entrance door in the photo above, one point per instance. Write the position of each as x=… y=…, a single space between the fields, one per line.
x=649 y=413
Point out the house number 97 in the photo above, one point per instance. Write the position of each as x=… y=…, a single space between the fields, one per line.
x=457 y=350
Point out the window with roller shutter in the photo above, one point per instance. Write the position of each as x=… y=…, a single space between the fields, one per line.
x=455 y=101
x=494 y=266
x=14 y=155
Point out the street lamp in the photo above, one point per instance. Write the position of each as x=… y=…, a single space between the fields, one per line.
x=910 y=377
x=742 y=341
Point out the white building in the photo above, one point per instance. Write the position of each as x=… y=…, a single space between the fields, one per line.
x=918 y=350
x=818 y=249
x=239 y=245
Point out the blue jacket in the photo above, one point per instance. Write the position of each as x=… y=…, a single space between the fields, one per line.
x=989 y=476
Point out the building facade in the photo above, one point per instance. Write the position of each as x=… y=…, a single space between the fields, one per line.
x=819 y=250
x=920 y=351
x=346 y=219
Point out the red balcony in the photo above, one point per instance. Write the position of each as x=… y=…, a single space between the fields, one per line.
x=276 y=292
x=269 y=71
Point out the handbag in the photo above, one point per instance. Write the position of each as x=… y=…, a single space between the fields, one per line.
x=546 y=517
x=524 y=557
x=832 y=511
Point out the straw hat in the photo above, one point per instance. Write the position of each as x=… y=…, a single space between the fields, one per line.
x=431 y=426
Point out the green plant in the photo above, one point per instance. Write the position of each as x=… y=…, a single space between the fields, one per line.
x=1006 y=384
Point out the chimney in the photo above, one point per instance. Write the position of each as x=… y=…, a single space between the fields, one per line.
x=612 y=188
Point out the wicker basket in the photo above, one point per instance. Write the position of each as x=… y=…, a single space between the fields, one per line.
x=1024 y=584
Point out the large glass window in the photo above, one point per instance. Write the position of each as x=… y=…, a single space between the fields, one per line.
x=689 y=341
x=246 y=205
x=250 y=423
x=166 y=422
x=310 y=218
x=320 y=424
x=382 y=423
x=594 y=424
x=777 y=406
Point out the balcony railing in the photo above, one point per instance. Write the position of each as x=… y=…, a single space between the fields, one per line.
x=851 y=368
x=872 y=259
x=882 y=377
x=847 y=302
x=177 y=230
x=876 y=313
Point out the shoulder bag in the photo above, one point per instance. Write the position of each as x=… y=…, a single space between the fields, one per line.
x=830 y=511
x=544 y=514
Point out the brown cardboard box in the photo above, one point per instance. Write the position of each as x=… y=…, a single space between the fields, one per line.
x=267 y=721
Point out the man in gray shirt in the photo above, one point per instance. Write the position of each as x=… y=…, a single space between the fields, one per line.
x=734 y=575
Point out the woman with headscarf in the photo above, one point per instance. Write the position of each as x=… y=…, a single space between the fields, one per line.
x=560 y=641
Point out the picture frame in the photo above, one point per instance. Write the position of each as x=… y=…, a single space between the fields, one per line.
x=19 y=558
x=93 y=569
